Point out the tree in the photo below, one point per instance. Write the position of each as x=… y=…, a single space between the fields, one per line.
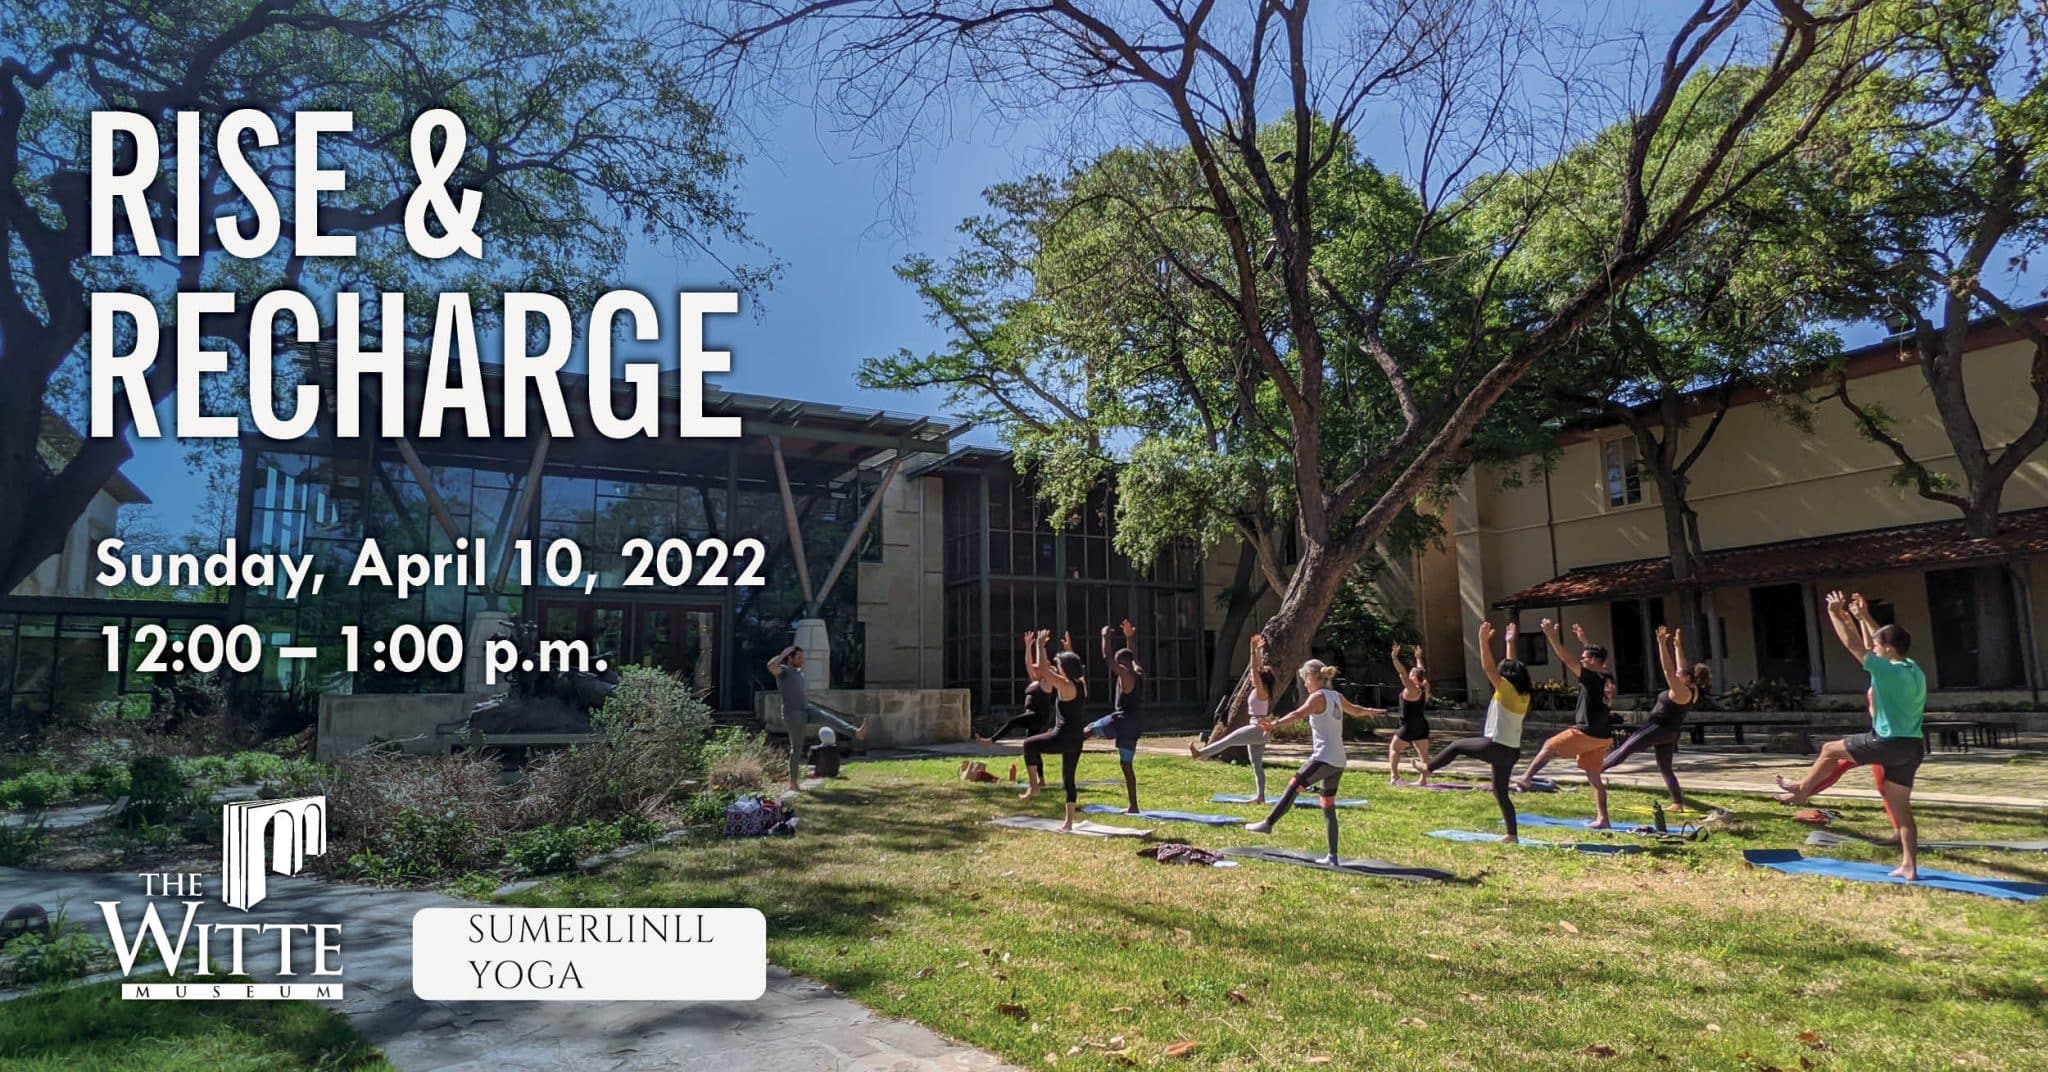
x=1257 y=109
x=578 y=125
x=1929 y=214
x=1739 y=308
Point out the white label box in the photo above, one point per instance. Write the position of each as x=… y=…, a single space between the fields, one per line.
x=487 y=953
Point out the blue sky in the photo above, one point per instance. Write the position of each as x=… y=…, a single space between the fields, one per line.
x=821 y=210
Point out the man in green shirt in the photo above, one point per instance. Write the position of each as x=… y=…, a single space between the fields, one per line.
x=1898 y=701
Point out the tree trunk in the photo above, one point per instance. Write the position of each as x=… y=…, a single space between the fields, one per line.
x=1317 y=578
x=1243 y=595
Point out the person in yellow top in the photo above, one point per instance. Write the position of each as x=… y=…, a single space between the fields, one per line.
x=1499 y=746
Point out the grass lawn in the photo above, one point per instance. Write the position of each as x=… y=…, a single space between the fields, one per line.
x=1075 y=953
x=92 y=1028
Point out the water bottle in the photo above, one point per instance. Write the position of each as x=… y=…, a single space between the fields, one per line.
x=1657 y=812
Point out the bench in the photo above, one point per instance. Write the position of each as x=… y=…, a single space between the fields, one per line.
x=1803 y=724
x=1951 y=734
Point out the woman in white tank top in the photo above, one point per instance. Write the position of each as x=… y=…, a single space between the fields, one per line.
x=1324 y=709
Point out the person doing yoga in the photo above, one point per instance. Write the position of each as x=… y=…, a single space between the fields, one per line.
x=1414 y=731
x=1036 y=717
x=1898 y=704
x=1845 y=765
x=800 y=712
x=1251 y=736
x=1066 y=678
x=1591 y=733
x=1683 y=687
x=1500 y=742
x=1325 y=709
x=1124 y=721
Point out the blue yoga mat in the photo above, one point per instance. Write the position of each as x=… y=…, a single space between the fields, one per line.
x=1587 y=824
x=1540 y=785
x=1168 y=816
x=1589 y=847
x=1303 y=801
x=1792 y=862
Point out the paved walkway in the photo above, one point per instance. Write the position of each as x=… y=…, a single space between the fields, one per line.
x=798 y=1026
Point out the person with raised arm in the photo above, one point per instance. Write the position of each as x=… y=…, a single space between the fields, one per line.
x=1499 y=744
x=799 y=713
x=1414 y=731
x=1683 y=687
x=1043 y=707
x=1324 y=709
x=1591 y=733
x=1125 y=719
x=1898 y=703
x=1066 y=677
x=1252 y=736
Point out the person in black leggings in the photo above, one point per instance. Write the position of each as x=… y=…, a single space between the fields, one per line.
x=1037 y=716
x=1065 y=677
x=1414 y=732
x=1660 y=732
x=1500 y=745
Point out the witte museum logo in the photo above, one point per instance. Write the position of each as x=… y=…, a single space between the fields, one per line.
x=241 y=960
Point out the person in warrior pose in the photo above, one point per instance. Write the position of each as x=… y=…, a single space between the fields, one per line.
x=799 y=712
x=1414 y=731
x=1251 y=736
x=1500 y=742
x=1125 y=719
x=1898 y=690
x=1066 y=678
x=1325 y=709
x=1683 y=687
x=1846 y=764
x=1591 y=733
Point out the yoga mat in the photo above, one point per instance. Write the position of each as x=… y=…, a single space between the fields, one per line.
x=1825 y=840
x=1371 y=868
x=1303 y=801
x=1592 y=848
x=1792 y=863
x=1167 y=816
x=1081 y=828
x=1643 y=829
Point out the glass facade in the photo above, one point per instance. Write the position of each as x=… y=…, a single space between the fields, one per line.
x=53 y=656
x=300 y=501
x=1072 y=580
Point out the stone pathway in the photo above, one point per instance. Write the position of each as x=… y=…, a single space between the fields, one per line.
x=798 y=1026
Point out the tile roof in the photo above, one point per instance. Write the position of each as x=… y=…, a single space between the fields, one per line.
x=1931 y=545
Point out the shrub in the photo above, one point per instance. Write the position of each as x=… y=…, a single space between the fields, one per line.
x=21 y=844
x=707 y=808
x=544 y=850
x=60 y=956
x=1767 y=694
x=420 y=845
x=395 y=818
x=157 y=788
x=37 y=789
x=738 y=762
x=650 y=737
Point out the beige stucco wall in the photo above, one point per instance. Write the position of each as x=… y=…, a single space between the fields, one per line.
x=1760 y=480
x=70 y=571
x=900 y=596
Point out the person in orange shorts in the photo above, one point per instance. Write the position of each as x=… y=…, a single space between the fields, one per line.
x=1592 y=730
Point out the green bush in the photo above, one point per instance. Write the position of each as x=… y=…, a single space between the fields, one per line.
x=37 y=789
x=544 y=850
x=421 y=845
x=61 y=956
x=157 y=789
x=649 y=745
x=707 y=808
x=1767 y=694
x=103 y=779
x=21 y=844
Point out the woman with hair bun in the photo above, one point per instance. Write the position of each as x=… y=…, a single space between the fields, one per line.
x=1324 y=709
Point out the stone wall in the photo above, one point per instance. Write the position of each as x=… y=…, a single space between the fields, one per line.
x=900 y=717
